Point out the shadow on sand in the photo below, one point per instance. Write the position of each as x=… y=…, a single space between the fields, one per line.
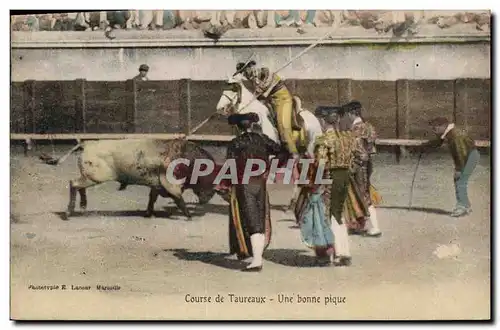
x=417 y=209
x=285 y=257
x=195 y=209
x=286 y=220
x=129 y=214
x=291 y=258
x=211 y=258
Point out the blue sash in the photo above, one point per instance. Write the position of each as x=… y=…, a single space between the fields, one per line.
x=314 y=230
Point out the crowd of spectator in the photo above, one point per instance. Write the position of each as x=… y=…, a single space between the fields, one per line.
x=380 y=21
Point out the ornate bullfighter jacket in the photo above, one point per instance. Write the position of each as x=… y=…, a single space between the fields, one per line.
x=336 y=149
x=365 y=142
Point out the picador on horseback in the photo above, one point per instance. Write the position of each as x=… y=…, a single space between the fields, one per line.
x=271 y=89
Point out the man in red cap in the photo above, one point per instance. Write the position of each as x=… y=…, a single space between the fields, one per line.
x=465 y=157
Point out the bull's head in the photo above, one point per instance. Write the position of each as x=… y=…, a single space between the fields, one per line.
x=204 y=194
x=230 y=99
x=206 y=189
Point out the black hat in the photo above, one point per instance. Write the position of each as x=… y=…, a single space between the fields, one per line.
x=352 y=106
x=323 y=111
x=238 y=118
x=243 y=65
x=144 y=67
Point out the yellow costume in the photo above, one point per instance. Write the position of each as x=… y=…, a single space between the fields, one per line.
x=270 y=86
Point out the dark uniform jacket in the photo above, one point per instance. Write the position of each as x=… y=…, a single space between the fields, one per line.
x=251 y=145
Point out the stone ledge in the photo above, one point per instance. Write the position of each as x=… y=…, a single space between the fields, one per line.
x=240 y=37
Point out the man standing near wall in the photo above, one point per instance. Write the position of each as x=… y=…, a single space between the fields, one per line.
x=465 y=157
x=143 y=73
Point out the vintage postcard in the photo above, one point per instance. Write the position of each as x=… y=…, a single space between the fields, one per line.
x=250 y=165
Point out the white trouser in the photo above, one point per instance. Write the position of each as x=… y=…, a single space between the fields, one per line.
x=341 y=239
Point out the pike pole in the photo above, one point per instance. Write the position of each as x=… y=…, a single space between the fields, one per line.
x=413 y=181
x=317 y=42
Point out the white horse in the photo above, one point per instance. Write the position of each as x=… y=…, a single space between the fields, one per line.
x=236 y=98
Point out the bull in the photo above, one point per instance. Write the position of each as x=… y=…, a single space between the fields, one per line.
x=138 y=162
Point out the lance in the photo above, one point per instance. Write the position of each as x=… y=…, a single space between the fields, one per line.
x=317 y=42
x=413 y=180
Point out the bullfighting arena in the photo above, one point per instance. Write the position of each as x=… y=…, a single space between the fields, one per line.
x=426 y=265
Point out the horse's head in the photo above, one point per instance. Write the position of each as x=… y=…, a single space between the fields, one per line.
x=231 y=97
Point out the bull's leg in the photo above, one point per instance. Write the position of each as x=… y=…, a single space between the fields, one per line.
x=181 y=204
x=175 y=190
x=72 y=201
x=123 y=186
x=83 y=198
x=74 y=186
x=153 y=197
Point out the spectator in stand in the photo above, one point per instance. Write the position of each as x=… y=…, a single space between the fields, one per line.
x=143 y=73
x=118 y=19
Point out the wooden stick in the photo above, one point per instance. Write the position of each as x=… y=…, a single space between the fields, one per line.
x=413 y=180
x=291 y=61
x=203 y=122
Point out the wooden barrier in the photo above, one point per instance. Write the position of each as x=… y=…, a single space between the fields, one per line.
x=400 y=145
x=398 y=109
x=194 y=137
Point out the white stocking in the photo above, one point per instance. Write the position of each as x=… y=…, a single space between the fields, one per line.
x=372 y=224
x=258 y=241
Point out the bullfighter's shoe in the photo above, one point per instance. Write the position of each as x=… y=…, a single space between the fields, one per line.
x=372 y=224
x=460 y=211
x=258 y=241
x=252 y=269
x=342 y=261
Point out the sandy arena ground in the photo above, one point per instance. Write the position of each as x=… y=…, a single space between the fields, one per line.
x=157 y=262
